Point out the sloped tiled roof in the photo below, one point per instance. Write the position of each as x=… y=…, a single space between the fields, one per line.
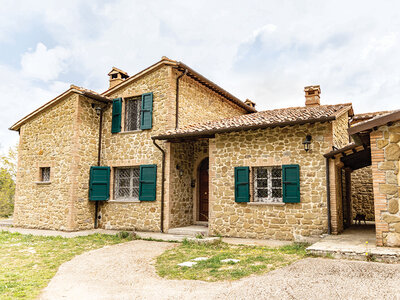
x=87 y=92
x=263 y=119
x=376 y=121
x=184 y=69
x=369 y=115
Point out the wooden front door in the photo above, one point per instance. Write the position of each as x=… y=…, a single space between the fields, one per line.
x=203 y=190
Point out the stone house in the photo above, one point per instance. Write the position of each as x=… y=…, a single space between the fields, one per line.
x=168 y=148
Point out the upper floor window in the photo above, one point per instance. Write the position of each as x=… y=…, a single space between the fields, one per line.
x=132 y=113
x=267 y=184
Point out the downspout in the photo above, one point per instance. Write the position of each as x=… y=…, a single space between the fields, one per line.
x=177 y=99
x=162 y=184
x=100 y=130
x=96 y=209
x=328 y=196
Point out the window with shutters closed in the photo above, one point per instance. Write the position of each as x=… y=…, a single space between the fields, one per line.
x=132 y=113
x=267 y=183
x=126 y=183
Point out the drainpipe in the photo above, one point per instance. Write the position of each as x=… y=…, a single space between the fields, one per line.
x=99 y=110
x=162 y=184
x=328 y=196
x=177 y=99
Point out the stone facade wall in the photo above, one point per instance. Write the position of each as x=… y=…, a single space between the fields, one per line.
x=65 y=137
x=362 y=193
x=85 y=157
x=270 y=147
x=339 y=130
x=136 y=148
x=181 y=201
x=336 y=196
x=385 y=153
x=198 y=103
x=47 y=141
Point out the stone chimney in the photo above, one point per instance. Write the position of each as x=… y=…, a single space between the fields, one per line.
x=250 y=103
x=312 y=95
x=116 y=76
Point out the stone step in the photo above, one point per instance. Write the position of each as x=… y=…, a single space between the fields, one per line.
x=6 y=223
x=191 y=230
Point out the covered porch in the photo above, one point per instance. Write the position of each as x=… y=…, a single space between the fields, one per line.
x=342 y=165
x=187 y=186
x=356 y=242
x=376 y=146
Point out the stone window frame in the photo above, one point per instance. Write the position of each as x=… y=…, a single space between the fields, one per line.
x=40 y=167
x=252 y=184
x=124 y=115
x=113 y=164
x=269 y=187
x=132 y=184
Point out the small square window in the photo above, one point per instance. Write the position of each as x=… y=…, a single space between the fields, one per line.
x=132 y=113
x=267 y=184
x=45 y=174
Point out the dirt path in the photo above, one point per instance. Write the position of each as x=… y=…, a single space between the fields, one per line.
x=126 y=271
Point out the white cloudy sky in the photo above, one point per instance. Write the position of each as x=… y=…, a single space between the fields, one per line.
x=263 y=50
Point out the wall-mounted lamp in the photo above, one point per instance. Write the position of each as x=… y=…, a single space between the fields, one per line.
x=98 y=110
x=307 y=142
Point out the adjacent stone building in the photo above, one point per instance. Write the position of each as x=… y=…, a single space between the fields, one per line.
x=168 y=148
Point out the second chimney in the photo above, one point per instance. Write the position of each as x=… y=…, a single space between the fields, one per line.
x=117 y=76
x=313 y=93
x=250 y=103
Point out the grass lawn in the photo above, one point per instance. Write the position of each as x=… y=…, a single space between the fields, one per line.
x=27 y=262
x=253 y=260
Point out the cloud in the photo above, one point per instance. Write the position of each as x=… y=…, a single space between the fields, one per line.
x=265 y=50
x=20 y=96
x=45 y=64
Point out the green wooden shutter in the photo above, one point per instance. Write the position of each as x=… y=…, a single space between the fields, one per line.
x=116 y=115
x=242 y=188
x=147 y=182
x=291 y=183
x=99 y=184
x=146 y=113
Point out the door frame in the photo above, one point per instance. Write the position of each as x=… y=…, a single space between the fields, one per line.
x=196 y=190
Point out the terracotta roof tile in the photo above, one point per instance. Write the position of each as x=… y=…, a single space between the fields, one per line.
x=82 y=89
x=268 y=118
x=376 y=121
x=369 y=115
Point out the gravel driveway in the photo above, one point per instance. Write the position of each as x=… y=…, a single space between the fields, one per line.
x=126 y=271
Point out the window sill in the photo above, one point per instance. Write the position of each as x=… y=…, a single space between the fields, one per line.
x=123 y=201
x=43 y=182
x=132 y=131
x=264 y=203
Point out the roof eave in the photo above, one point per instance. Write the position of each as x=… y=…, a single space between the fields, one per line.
x=217 y=88
x=347 y=108
x=52 y=102
x=140 y=74
x=374 y=122
x=212 y=132
x=199 y=77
